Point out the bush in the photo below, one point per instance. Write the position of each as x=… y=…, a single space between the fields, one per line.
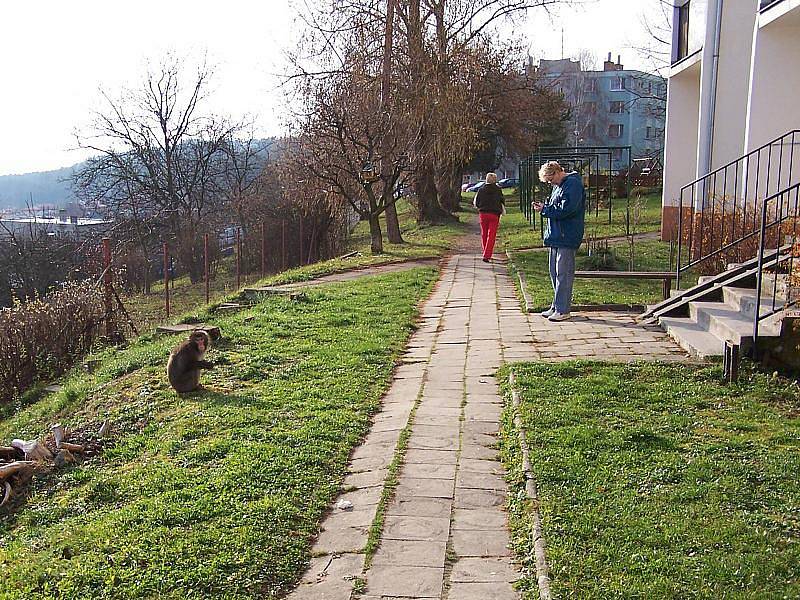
x=41 y=338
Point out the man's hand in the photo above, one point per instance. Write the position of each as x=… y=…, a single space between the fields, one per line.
x=538 y=206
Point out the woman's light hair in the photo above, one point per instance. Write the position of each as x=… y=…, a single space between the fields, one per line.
x=491 y=178
x=549 y=169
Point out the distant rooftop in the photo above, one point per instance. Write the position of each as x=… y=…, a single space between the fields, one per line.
x=79 y=221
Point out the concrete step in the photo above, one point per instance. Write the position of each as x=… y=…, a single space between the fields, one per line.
x=727 y=322
x=745 y=300
x=692 y=337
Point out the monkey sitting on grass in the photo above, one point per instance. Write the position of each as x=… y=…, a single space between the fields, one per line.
x=186 y=360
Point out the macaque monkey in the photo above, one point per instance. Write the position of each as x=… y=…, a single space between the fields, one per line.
x=186 y=360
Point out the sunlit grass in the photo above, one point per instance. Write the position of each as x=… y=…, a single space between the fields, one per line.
x=659 y=481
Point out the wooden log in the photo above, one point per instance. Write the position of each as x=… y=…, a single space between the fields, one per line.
x=7 y=495
x=8 y=453
x=15 y=467
x=72 y=447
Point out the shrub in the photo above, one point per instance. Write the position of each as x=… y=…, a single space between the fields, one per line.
x=41 y=338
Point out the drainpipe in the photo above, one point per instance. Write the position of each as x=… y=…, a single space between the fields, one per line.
x=708 y=87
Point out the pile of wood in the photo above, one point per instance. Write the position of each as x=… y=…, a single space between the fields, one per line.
x=20 y=461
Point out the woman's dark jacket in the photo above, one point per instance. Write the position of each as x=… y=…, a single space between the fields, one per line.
x=490 y=199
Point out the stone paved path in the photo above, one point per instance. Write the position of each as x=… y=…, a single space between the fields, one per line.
x=445 y=534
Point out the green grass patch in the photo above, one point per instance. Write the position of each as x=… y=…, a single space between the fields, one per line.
x=659 y=481
x=219 y=493
x=516 y=232
x=649 y=256
x=421 y=241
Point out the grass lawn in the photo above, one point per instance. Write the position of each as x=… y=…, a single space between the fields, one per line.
x=650 y=255
x=659 y=481
x=147 y=311
x=516 y=232
x=216 y=494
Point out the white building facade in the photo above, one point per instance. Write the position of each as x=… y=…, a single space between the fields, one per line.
x=732 y=92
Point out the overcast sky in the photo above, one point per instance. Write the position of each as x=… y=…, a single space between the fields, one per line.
x=56 y=54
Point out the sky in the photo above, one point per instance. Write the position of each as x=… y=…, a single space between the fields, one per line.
x=57 y=55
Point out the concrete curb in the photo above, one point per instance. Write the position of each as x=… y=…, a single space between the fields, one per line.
x=539 y=546
x=523 y=283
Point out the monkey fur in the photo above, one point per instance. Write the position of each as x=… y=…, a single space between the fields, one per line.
x=186 y=360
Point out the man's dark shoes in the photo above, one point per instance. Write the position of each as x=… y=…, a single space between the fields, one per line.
x=487 y=260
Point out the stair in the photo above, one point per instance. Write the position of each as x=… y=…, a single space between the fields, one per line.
x=718 y=309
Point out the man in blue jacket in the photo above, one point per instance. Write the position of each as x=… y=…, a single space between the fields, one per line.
x=565 y=213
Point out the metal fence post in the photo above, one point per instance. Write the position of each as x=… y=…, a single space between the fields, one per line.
x=205 y=265
x=107 y=284
x=283 y=244
x=166 y=279
x=238 y=258
x=301 y=240
x=263 y=249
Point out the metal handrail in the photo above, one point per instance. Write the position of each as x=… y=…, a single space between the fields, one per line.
x=743 y=170
x=779 y=259
x=743 y=156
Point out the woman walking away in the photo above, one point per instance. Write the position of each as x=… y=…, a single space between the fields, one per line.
x=564 y=233
x=490 y=204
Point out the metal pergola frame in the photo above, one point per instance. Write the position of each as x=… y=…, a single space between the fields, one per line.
x=584 y=156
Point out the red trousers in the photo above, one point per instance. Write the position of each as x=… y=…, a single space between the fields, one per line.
x=489 y=224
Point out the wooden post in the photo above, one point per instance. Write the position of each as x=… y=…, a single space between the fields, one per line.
x=205 y=266
x=107 y=284
x=166 y=279
x=238 y=258
x=263 y=249
x=283 y=244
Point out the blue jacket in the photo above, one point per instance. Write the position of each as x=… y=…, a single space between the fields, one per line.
x=565 y=213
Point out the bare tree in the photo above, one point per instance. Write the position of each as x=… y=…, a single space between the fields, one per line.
x=353 y=146
x=160 y=160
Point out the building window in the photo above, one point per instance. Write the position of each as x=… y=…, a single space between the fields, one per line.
x=689 y=23
x=617 y=83
x=650 y=133
x=590 y=108
x=616 y=107
x=615 y=131
x=589 y=131
x=616 y=153
x=590 y=85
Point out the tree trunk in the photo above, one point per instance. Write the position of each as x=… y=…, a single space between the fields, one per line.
x=375 y=234
x=393 y=224
x=429 y=209
x=448 y=186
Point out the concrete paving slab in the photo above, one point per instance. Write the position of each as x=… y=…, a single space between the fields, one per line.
x=419 y=507
x=483 y=591
x=431 y=457
x=476 y=499
x=426 y=487
x=480 y=481
x=405 y=582
x=480 y=452
x=410 y=553
x=468 y=543
x=481 y=466
x=478 y=519
x=365 y=479
x=396 y=527
x=430 y=442
x=432 y=471
x=484 y=570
